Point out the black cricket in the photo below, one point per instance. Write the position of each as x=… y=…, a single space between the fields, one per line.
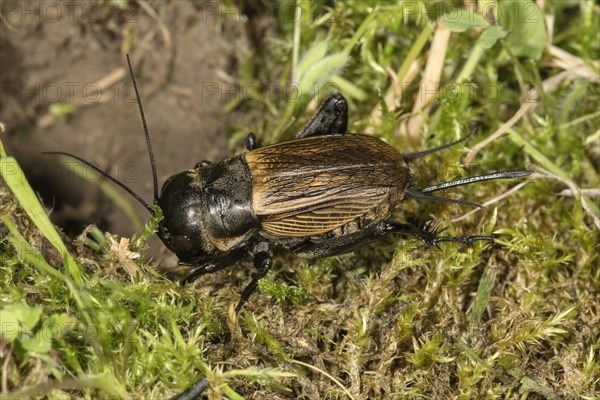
x=323 y=193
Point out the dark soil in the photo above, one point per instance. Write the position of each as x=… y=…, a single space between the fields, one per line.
x=55 y=53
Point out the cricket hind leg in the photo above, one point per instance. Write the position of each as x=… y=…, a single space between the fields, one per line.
x=330 y=119
x=427 y=233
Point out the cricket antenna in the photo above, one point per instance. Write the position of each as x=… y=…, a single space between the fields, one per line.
x=146 y=133
x=414 y=156
x=148 y=145
x=104 y=174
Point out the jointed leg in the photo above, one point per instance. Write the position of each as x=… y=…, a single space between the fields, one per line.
x=194 y=391
x=263 y=261
x=428 y=232
x=346 y=243
x=330 y=119
x=213 y=266
x=338 y=244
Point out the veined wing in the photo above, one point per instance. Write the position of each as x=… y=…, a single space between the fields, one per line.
x=310 y=186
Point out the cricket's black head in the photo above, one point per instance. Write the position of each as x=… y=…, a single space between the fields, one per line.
x=182 y=228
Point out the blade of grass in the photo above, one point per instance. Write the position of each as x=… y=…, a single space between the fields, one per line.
x=106 y=382
x=547 y=164
x=414 y=51
x=28 y=253
x=296 y=42
x=360 y=31
x=2 y=151
x=471 y=63
x=430 y=78
x=580 y=120
x=499 y=132
x=15 y=179
x=464 y=347
x=486 y=284
x=31 y=256
x=325 y=373
x=349 y=88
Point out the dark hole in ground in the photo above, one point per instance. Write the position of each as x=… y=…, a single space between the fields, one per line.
x=47 y=61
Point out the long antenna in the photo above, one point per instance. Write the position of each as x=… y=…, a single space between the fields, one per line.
x=414 y=156
x=473 y=179
x=146 y=133
x=148 y=145
x=104 y=174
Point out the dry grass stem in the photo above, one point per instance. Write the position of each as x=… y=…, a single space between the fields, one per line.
x=431 y=79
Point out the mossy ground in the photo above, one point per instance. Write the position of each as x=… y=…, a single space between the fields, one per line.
x=519 y=318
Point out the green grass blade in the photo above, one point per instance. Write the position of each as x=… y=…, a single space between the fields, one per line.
x=349 y=88
x=486 y=284
x=415 y=50
x=28 y=253
x=360 y=31
x=2 y=151
x=104 y=382
x=15 y=179
x=547 y=164
x=464 y=347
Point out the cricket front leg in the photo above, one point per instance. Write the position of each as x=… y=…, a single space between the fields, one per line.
x=263 y=261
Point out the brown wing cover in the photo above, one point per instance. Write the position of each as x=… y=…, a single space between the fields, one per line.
x=310 y=186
